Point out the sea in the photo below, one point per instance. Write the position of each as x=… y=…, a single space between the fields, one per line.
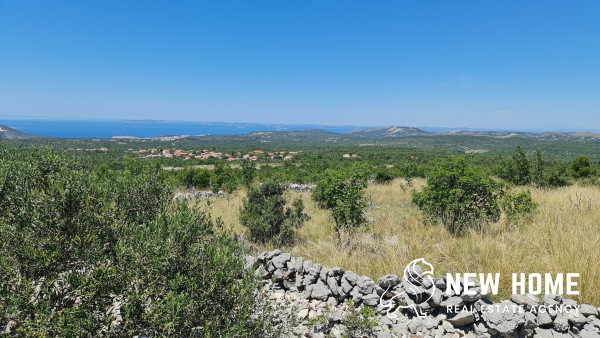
x=148 y=128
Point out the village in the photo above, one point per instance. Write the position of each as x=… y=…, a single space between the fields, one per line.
x=205 y=154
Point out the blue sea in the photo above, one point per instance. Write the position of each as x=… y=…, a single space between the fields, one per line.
x=148 y=128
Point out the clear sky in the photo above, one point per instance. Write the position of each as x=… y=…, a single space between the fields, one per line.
x=481 y=63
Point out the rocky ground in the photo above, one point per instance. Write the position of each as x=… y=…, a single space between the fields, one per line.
x=315 y=301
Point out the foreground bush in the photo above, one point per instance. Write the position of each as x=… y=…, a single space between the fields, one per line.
x=86 y=252
x=517 y=206
x=265 y=214
x=459 y=197
x=342 y=192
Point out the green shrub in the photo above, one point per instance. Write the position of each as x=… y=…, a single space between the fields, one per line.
x=517 y=168
x=458 y=196
x=360 y=321
x=266 y=214
x=86 y=251
x=517 y=206
x=342 y=192
x=224 y=178
x=248 y=172
x=557 y=176
x=581 y=167
x=383 y=177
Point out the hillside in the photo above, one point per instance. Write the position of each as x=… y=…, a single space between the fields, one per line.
x=386 y=132
x=13 y=134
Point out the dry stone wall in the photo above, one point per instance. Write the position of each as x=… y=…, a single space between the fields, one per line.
x=315 y=301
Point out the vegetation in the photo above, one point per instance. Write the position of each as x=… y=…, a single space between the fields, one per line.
x=93 y=243
x=517 y=206
x=265 y=214
x=87 y=252
x=459 y=197
x=581 y=168
x=343 y=194
x=360 y=321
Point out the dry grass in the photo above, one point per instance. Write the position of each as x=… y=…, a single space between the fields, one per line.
x=563 y=236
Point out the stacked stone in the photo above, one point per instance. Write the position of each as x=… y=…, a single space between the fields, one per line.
x=301 y=291
x=300 y=187
x=198 y=195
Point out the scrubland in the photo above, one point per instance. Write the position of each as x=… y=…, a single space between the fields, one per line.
x=562 y=236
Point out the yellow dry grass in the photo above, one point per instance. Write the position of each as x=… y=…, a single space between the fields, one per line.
x=563 y=236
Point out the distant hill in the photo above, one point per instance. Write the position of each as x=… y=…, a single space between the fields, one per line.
x=547 y=136
x=375 y=133
x=317 y=136
x=13 y=134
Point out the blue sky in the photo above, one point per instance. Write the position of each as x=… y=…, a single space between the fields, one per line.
x=479 y=64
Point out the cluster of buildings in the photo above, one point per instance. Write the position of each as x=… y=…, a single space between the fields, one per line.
x=206 y=154
x=349 y=155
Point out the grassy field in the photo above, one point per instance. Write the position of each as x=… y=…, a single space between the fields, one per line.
x=563 y=236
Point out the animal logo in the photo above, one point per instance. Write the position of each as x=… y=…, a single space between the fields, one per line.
x=417 y=277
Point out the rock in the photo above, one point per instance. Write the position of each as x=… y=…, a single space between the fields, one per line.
x=351 y=277
x=370 y=300
x=345 y=289
x=299 y=265
x=332 y=284
x=332 y=301
x=278 y=275
x=576 y=318
x=561 y=323
x=365 y=285
x=543 y=333
x=588 y=310
x=552 y=300
x=325 y=272
x=518 y=299
x=10 y=326
x=280 y=261
x=302 y=314
x=530 y=320
x=452 y=301
x=320 y=291
x=461 y=318
x=388 y=281
x=480 y=329
x=271 y=254
x=503 y=319
x=588 y=333
x=250 y=263
x=544 y=318
x=412 y=288
x=416 y=325
x=436 y=298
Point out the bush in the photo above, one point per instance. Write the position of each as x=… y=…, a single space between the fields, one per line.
x=517 y=168
x=517 y=206
x=581 y=167
x=343 y=194
x=88 y=252
x=557 y=177
x=265 y=214
x=248 y=172
x=383 y=177
x=458 y=196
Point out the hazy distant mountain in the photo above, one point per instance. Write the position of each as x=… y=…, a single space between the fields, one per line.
x=320 y=135
x=13 y=134
x=391 y=132
x=559 y=136
x=387 y=132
